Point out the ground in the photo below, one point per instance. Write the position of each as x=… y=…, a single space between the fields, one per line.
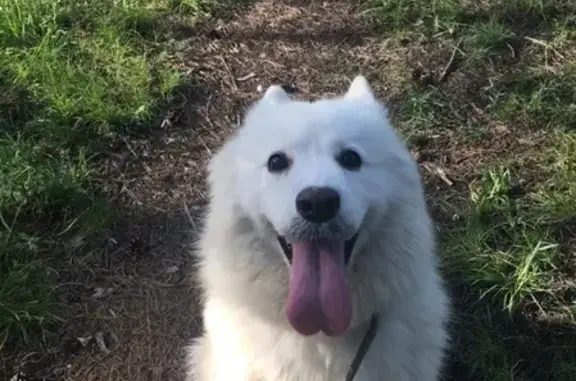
x=110 y=110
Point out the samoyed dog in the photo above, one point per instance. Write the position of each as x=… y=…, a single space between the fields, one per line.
x=318 y=249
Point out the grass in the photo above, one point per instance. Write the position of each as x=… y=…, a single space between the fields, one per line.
x=509 y=95
x=73 y=74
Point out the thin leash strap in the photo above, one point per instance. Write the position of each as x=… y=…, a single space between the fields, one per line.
x=363 y=348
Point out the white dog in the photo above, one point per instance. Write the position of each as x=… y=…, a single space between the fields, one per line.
x=317 y=230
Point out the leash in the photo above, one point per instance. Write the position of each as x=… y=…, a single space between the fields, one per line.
x=363 y=348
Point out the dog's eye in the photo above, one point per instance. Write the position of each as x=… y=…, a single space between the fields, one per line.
x=278 y=162
x=349 y=160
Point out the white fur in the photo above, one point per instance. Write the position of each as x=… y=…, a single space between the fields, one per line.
x=243 y=273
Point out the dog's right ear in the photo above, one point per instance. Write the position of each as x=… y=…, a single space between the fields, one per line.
x=276 y=94
x=360 y=89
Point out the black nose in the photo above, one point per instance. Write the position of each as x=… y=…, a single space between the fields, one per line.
x=318 y=204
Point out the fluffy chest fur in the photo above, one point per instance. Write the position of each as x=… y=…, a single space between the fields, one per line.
x=261 y=352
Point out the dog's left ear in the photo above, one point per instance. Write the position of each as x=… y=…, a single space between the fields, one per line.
x=276 y=94
x=360 y=88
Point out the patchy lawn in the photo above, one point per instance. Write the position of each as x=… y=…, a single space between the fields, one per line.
x=494 y=94
x=73 y=75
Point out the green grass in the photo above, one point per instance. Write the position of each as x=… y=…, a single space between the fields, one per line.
x=510 y=251
x=72 y=75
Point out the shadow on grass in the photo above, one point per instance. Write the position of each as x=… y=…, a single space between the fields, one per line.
x=492 y=344
x=179 y=21
x=346 y=36
x=524 y=17
x=148 y=27
x=17 y=107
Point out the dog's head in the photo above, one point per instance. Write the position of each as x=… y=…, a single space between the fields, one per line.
x=309 y=174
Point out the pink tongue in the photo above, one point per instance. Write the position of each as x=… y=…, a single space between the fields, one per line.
x=319 y=297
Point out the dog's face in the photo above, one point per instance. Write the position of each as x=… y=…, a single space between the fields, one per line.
x=308 y=173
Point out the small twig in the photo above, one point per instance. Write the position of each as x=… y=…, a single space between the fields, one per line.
x=4 y=224
x=450 y=65
x=179 y=282
x=439 y=172
x=246 y=77
x=144 y=165
x=512 y=51
x=10 y=229
x=189 y=215
x=544 y=44
x=212 y=129
x=203 y=142
x=131 y=194
x=478 y=110
x=229 y=73
x=70 y=226
x=99 y=337
x=129 y=146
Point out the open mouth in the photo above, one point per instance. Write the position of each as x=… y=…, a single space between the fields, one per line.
x=319 y=295
x=348 y=248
